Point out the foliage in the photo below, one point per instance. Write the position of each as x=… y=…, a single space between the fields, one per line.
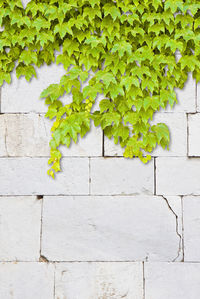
x=124 y=50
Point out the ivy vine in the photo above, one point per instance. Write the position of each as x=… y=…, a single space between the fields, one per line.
x=124 y=50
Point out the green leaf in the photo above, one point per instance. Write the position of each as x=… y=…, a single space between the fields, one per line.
x=54 y=91
x=27 y=71
x=111 y=10
x=122 y=48
x=162 y=134
x=106 y=105
x=123 y=51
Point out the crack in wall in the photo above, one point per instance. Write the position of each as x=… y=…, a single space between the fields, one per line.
x=54 y=283
x=179 y=251
x=183 y=245
x=143 y=271
x=42 y=258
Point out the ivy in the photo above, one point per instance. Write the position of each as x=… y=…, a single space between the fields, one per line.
x=123 y=49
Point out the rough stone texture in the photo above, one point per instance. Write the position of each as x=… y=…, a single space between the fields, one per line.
x=28 y=176
x=121 y=176
x=19 y=228
x=177 y=176
x=29 y=135
x=99 y=280
x=177 y=123
x=22 y=96
x=193 y=134
x=26 y=280
x=191 y=214
x=24 y=135
x=110 y=229
x=172 y=280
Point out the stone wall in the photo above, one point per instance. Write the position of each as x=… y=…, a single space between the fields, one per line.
x=107 y=227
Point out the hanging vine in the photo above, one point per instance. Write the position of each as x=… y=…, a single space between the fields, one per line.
x=124 y=50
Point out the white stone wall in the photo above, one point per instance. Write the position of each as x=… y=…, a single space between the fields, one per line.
x=107 y=227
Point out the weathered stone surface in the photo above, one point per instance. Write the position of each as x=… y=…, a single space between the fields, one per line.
x=28 y=176
x=177 y=176
x=26 y=280
x=172 y=280
x=24 y=135
x=19 y=228
x=22 y=96
x=99 y=280
x=191 y=216
x=29 y=135
x=110 y=229
x=193 y=134
x=121 y=176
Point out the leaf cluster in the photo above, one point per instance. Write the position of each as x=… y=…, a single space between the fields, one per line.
x=125 y=50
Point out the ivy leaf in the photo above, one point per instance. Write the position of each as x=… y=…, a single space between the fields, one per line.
x=109 y=118
x=107 y=78
x=162 y=134
x=115 y=90
x=173 y=5
x=28 y=57
x=27 y=71
x=54 y=91
x=190 y=61
x=41 y=22
x=106 y=105
x=121 y=48
x=4 y=77
x=63 y=29
x=65 y=61
x=111 y=10
x=92 y=91
x=94 y=2
x=122 y=131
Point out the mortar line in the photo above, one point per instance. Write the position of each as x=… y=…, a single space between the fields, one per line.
x=196 y=95
x=90 y=179
x=43 y=113
x=187 y=120
x=0 y=98
x=95 y=157
x=155 y=176
x=99 y=261
x=103 y=145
